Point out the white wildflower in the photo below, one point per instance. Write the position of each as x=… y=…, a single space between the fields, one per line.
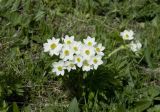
x=76 y=46
x=78 y=60
x=86 y=66
x=52 y=46
x=87 y=52
x=70 y=65
x=67 y=53
x=99 y=49
x=68 y=40
x=135 y=46
x=127 y=35
x=96 y=61
x=58 y=68
x=89 y=41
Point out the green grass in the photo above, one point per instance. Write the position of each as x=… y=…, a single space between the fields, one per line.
x=126 y=82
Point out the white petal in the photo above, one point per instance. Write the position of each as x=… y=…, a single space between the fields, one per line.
x=95 y=67
x=62 y=73
x=79 y=65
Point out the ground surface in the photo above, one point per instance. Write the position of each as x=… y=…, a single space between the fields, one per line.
x=126 y=82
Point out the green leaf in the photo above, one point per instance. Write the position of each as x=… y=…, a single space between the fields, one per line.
x=39 y=15
x=156 y=108
x=147 y=54
x=154 y=91
x=37 y=39
x=142 y=105
x=157 y=98
x=27 y=109
x=15 y=5
x=25 y=41
x=1 y=90
x=73 y=107
x=91 y=95
x=84 y=75
x=15 y=107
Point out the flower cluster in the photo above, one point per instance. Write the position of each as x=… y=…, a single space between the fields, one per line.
x=86 y=55
x=134 y=45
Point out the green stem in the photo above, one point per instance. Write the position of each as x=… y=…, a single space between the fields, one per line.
x=116 y=50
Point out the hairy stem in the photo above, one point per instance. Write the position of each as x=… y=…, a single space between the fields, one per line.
x=116 y=50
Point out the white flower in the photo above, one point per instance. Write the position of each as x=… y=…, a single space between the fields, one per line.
x=52 y=46
x=70 y=65
x=58 y=68
x=67 y=53
x=135 y=46
x=127 y=35
x=76 y=46
x=87 y=55
x=87 y=52
x=68 y=40
x=78 y=60
x=89 y=41
x=86 y=66
x=99 y=49
x=96 y=61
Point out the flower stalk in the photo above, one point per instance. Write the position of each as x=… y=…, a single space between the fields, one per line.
x=116 y=50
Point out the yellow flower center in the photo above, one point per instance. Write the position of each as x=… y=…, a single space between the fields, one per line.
x=79 y=59
x=53 y=46
x=59 y=68
x=68 y=42
x=95 y=61
x=127 y=36
x=66 y=52
x=85 y=63
x=89 y=43
x=87 y=52
x=75 y=48
x=71 y=65
x=98 y=49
